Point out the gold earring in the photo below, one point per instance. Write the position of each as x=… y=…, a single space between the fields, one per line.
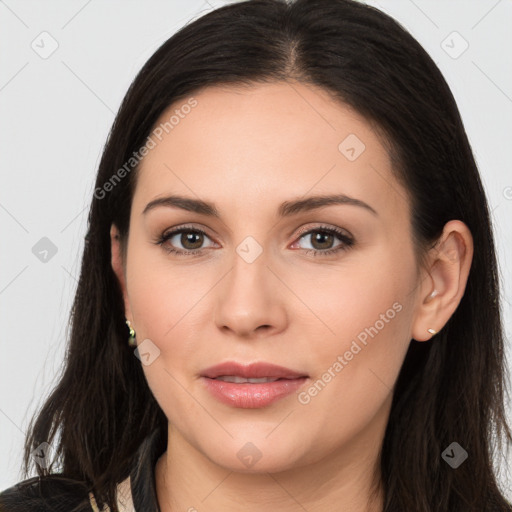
x=431 y=331
x=131 y=339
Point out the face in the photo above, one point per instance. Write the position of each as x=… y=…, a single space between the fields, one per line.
x=328 y=292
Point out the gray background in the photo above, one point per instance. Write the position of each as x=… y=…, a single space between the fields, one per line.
x=56 y=111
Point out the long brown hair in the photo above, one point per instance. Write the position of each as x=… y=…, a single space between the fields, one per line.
x=452 y=389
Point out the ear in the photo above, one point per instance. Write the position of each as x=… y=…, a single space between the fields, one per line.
x=441 y=290
x=119 y=267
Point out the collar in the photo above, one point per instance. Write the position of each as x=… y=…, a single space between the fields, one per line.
x=142 y=476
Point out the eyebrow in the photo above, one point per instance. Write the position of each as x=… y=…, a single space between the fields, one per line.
x=286 y=209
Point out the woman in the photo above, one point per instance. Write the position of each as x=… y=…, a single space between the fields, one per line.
x=289 y=220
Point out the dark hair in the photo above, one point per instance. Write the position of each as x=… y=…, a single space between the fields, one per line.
x=452 y=389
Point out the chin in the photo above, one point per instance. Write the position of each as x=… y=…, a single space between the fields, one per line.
x=260 y=456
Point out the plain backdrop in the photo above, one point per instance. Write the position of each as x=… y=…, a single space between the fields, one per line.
x=65 y=67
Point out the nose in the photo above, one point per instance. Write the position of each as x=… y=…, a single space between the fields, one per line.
x=250 y=300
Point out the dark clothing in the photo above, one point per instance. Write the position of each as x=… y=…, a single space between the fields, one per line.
x=55 y=494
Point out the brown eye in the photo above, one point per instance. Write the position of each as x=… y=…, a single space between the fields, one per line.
x=191 y=239
x=183 y=241
x=322 y=240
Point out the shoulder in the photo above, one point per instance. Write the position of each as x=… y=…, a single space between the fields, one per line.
x=46 y=494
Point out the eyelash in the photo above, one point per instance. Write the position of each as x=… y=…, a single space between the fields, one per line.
x=347 y=242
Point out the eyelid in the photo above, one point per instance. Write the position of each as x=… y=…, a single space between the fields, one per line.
x=185 y=227
x=322 y=227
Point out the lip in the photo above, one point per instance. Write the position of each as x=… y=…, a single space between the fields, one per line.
x=249 y=395
x=254 y=371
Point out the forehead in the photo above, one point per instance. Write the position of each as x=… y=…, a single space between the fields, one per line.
x=263 y=144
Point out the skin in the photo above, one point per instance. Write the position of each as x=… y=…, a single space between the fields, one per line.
x=247 y=150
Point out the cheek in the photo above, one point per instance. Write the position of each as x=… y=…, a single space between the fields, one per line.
x=161 y=299
x=164 y=310
x=361 y=303
x=161 y=293
x=367 y=314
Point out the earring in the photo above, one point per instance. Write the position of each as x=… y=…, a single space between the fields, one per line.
x=131 y=339
x=431 y=331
